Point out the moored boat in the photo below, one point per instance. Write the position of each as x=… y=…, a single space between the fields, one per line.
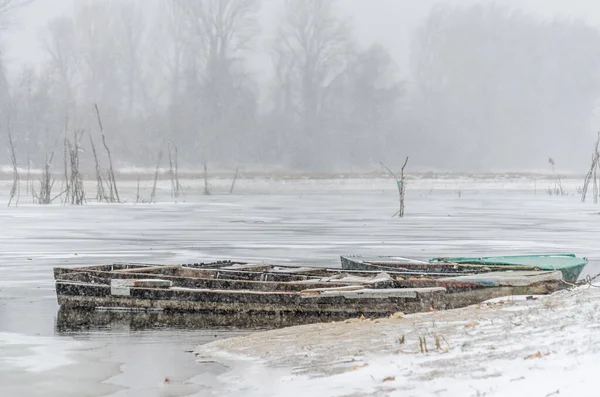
x=568 y=264
x=266 y=289
x=414 y=267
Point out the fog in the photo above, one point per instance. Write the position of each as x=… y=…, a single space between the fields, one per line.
x=306 y=86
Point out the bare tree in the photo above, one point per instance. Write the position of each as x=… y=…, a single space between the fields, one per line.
x=100 y=51
x=112 y=182
x=558 y=188
x=591 y=174
x=220 y=32
x=6 y=8
x=44 y=196
x=156 y=174
x=309 y=54
x=176 y=189
x=456 y=53
x=131 y=29
x=401 y=187
x=221 y=29
x=59 y=42
x=166 y=60
x=100 y=190
x=75 y=186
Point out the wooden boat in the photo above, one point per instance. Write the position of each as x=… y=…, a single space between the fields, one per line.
x=568 y=264
x=265 y=289
x=414 y=267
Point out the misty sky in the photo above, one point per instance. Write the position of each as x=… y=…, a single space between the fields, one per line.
x=443 y=99
x=389 y=22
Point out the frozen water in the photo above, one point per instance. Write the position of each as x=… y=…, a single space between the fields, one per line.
x=300 y=221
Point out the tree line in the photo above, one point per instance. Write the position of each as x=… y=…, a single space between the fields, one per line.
x=489 y=87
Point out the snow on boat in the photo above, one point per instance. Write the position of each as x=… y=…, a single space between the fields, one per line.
x=229 y=287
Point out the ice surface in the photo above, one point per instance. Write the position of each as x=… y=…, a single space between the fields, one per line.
x=306 y=222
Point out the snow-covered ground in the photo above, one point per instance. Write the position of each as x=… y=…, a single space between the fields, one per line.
x=506 y=347
x=302 y=221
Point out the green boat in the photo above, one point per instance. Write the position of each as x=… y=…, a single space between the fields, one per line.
x=568 y=264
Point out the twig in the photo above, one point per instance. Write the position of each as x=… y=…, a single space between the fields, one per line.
x=58 y=195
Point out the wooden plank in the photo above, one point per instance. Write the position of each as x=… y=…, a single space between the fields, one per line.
x=510 y=278
x=317 y=291
x=366 y=293
x=122 y=287
x=248 y=266
x=147 y=269
x=203 y=283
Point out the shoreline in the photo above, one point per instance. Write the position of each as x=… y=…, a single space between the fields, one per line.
x=499 y=347
x=135 y=173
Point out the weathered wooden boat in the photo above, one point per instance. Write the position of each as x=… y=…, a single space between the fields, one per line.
x=414 y=267
x=265 y=289
x=568 y=264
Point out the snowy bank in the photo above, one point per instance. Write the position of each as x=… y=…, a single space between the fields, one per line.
x=513 y=346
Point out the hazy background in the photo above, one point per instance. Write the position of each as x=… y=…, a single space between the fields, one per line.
x=457 y=85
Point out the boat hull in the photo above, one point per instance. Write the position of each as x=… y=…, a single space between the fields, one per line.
x=367 y=303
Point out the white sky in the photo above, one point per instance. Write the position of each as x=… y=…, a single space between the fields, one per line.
x=389 y=22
